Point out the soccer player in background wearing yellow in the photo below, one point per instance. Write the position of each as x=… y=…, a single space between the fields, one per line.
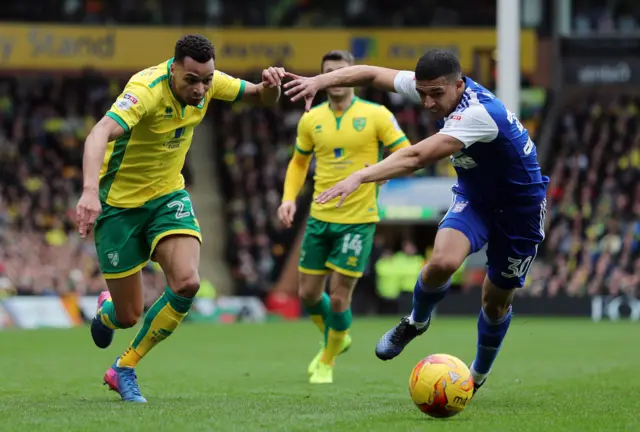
x=134 y=193
x=345 y=133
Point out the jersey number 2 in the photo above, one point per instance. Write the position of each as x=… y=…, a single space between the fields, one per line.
x=179 y=205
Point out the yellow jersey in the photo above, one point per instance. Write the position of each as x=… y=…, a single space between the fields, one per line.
x=146 y=162
x=343 y=143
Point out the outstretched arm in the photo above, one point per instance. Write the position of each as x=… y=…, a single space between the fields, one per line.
x=358 y=76
x=410 y=159
x=351 y=76
x=400 y=163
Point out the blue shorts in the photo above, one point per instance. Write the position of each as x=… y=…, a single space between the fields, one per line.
x=512 y=237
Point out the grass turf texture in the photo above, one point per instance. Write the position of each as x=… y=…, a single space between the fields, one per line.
x=552 y=374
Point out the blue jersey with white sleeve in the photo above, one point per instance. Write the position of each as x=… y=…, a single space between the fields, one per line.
x=498 y=166
x=499 y=199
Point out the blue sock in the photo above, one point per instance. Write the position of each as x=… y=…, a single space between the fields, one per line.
x=425 y=299
x=490 y=336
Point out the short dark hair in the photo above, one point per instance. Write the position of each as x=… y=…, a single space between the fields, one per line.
x=337 y=55
x=197 y=47
x=436 y=63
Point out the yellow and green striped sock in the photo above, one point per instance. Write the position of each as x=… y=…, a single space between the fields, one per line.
x=159 y=323
x=339 y=325
x=319 y=313
x=107 y=314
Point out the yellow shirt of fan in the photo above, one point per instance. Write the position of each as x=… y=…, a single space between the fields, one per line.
x=146 y=162
x=343 y=143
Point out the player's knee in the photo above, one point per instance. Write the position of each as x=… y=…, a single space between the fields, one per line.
x=307 y=293
x=441 y=266
x=128 y=320
x=340 y=301
x=187 y=286
x=129 y=317
x=495 y=308
x=310 y=288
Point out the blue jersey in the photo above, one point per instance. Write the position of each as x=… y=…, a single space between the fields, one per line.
x=497 y=167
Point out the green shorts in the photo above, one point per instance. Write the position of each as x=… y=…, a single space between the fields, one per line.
x=343 y=248
x=126 y=237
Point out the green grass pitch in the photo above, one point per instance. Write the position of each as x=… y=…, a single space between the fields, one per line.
x=552 y=374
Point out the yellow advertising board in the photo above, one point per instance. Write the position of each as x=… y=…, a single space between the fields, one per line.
x=51 y=47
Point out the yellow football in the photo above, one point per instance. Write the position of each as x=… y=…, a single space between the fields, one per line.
x=441 y=385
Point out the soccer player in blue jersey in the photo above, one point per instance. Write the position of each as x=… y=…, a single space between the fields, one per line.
x=499 y=199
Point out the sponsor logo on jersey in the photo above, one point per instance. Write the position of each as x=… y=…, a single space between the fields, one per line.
x=131 y=97
x=456 y=117
x=461 y=160
x=126 y=101
x=458 y=207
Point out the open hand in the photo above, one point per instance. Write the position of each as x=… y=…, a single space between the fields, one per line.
x=272 y=77
x=341 y=189
x=301 y=88
x=87 y=211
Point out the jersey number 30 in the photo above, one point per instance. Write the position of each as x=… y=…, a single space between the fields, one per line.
x=518 y=267
x=528 y=147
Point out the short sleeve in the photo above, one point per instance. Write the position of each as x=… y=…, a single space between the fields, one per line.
x=226 y=87
x=389 y=131
x=405 y=84
x=472 y=125
x=132 y=105
x=304 y=143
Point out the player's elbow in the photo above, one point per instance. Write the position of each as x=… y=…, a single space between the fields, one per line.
x=414 y=159
x=106 y=130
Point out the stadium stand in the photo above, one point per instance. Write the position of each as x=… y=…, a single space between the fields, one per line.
x=41 y=141
x=593 y=232
x=256 y=13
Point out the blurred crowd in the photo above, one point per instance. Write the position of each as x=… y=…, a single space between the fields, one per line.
x=605 y=16
x=593 y=233
x=587 y=16
x=43 y=124
x=257 y=13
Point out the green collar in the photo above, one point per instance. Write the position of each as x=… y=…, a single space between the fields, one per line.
x=169 y=63
x=339 y=118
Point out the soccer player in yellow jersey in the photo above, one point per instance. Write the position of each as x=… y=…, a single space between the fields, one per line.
x=345 y=134
x=134 y=193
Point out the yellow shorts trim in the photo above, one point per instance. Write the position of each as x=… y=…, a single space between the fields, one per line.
x=183 y=231
x=342 y=271
x=313 y=272
x=125 y=274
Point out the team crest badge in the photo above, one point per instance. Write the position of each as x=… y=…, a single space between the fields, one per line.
x=359 y=123
x=114 y=258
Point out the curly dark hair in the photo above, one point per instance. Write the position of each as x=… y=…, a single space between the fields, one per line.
x=197 y=47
